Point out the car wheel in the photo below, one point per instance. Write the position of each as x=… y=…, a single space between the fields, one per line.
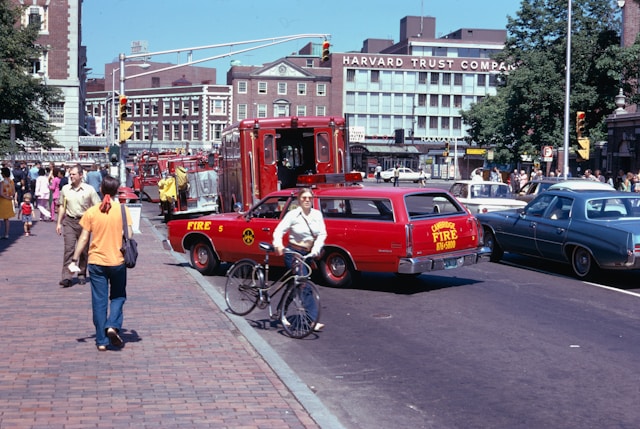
x=336 y=269
x=203 y=258
x=491 y=243
x=582 y=263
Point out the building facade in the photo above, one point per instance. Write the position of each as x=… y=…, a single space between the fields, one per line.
x=177 y=109
x=62 y=64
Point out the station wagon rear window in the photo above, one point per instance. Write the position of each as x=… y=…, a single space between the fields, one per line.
x=357 y=208
x=424 y=205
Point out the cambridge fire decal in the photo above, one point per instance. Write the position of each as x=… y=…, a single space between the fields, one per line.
x=248 y=236
x=444 y=235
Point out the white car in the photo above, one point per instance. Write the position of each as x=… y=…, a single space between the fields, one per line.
x=485 y=196
x=406 y=174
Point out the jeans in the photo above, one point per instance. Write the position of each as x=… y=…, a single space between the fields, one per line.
x=307 y=291
x=101 y=277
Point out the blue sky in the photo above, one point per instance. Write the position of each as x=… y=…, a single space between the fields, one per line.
x=109 y=26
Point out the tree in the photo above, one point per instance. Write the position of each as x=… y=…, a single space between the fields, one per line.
x=23 y=97
x=528 y=110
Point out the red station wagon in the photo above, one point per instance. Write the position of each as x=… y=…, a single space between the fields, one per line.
x=398 y=230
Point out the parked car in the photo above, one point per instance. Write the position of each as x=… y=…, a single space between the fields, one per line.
x=485 y=196
x=588 y=229
x=399 y=230
x=406 y=174
x=531 y=189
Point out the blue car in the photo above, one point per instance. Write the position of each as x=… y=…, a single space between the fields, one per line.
x=590 y=230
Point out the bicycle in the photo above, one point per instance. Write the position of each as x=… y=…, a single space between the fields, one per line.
x=248 y=286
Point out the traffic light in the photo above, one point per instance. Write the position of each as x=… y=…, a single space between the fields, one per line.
x=446 y=149
x=580 y=118
x=583 y=149
x=325 y=51
x=125 y=126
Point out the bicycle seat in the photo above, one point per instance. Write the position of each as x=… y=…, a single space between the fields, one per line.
x=267 y=247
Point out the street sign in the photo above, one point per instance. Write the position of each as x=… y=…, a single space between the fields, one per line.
x=356 y=134
x=547 y=153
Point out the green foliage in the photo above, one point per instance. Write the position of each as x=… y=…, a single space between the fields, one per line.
x=23 y=97
x=528 y=110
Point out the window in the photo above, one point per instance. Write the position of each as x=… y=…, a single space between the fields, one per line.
x=457 y=101
x=262 y=87
x=375 y=76
x=176 y=131
x=137 y=108
x=57 y=113
x=242 y=87
x=321 y=110
x=269 y=150
x=457 y=79
x=433 y=123
x=321 y=89
x=435 y=78
x=282 y=88
x=322 y=147
x=195 y=107
x=218 y=106
x=446 y=101
x=216 y=131
x=242 y=112
x=261 y=111
x=154 y=108
x=302 y=89
x=167 y=107
x=309 y=62
x=433 y=100
x=446 y=78
x=422 y=121
x=301 y=110
x=351 y=75
x=146 y=108
x=422 y=100
x=376 y=210
x=185 y=131
x=37 y=16
x=493 y=80
x=155 y=82
x=457 y=123
x=176 y=107
x=422 y=78
x=444 y=123
x=166 y=132
x=482 y=79
x=195 y=132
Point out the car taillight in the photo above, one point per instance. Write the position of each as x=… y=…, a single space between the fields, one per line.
x=408 y=231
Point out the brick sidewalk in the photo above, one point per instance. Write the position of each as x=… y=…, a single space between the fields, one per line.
x=185 y=364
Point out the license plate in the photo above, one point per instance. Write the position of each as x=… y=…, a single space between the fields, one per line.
x=452 y=263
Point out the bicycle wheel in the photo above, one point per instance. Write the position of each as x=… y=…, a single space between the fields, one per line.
x=241 y=289
x=300 y=309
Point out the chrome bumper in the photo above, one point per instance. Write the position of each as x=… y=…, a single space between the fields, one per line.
x=444 y=261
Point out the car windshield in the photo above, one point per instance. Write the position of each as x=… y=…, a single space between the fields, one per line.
x=485 y=190
x=613 y=208
x=431 y=204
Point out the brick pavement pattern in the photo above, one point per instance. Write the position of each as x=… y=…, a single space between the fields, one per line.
x=184 y=364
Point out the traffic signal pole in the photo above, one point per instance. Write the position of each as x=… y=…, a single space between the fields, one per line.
x=265 y=43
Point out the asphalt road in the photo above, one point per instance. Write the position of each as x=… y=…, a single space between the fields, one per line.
x=519 y=344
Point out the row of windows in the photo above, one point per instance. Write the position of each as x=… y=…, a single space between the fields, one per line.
x=452 y=52
x=279 y=109
x=175 y=132
x=181 y=108
x=406 y=77
x=282 y=88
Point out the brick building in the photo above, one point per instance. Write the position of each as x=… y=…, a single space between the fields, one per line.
x=62 y=63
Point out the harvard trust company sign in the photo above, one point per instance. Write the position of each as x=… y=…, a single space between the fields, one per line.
x=425 y=63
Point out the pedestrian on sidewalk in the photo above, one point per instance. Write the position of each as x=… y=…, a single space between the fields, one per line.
x=26 y=213
x=42 y=194
x=7 y=196
x=104 y=224
x=75 y=199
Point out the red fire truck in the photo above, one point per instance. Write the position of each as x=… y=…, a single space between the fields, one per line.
x=259 y=156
